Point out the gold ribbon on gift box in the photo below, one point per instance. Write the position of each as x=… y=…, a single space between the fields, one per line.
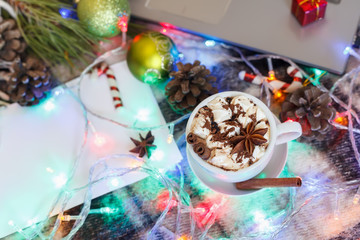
x=312 y=2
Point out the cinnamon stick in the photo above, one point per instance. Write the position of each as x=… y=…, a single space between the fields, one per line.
x=191 y=138
x=257 y=183
x=201 y=150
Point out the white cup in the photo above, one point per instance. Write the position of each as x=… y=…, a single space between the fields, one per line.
x=279 y=134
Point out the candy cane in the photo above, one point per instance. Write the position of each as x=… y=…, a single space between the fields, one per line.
x=276 y=84
x=294 y=73
x=115 y=92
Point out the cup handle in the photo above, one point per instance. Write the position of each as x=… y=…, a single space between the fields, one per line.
x=288 y=131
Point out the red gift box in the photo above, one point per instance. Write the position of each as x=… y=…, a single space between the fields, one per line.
x=308 y=11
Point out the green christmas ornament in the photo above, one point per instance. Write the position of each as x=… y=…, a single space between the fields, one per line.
x=103 y=18
x=150 y=57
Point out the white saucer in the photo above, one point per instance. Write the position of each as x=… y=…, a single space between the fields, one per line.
x=272 y=170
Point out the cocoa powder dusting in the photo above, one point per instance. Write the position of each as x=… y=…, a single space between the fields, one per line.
x=253 y=117
x=233 y=123
x=220 y=137
x=214 y=128
x=243 y=155
x=226 y=107
x=208 y=114
x=207 y=125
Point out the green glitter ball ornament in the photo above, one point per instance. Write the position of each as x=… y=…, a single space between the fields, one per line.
x=102 y=17
x=150 y=57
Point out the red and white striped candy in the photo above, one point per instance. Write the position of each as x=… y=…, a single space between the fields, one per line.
x=276 y=84
x=115 y=92
x=294 y=73
x=251 y=78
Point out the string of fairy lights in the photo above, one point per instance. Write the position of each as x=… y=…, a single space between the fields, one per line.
x=353 y=75
x=102 y=170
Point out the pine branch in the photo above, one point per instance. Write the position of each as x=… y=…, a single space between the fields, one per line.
x=50 y=36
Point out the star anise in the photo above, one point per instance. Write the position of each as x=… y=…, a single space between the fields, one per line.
x=248 y=139
x=142 y=145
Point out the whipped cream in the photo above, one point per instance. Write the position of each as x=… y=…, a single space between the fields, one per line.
x=220 y=158
x=199 y=124
x=263 y=124
x=260 y=115
x=230 y=129
x=212 y=143
x=220 y=121
x=244 y=120
x=221 y=109
x=241 y=103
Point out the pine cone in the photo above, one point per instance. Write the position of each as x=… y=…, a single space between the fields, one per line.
x=11 y=42
x=190 y=85
x=29 y=82
x=311 y=108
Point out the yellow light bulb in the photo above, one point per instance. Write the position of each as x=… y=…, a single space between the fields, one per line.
x=65 y=218
x=341 y=119
x=279 y=96
x=170 y=138
x=356 y=199
x=271 y=76
x=184 y=237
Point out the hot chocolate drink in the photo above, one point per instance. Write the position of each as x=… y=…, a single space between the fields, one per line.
x=231 y=133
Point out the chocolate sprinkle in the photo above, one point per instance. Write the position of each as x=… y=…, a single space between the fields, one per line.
x=253 y=117
x=214 y=128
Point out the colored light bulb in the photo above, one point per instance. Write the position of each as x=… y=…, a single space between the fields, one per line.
x=143 y=114
x=341 y=118
x=99 y=140
x=210 y=43
x=157 y=155
x=114 y=182
x=59 y=180
x=49 y=105
x=279 y=95
x=184 y=237
x=271 y=75
x=170 y=138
